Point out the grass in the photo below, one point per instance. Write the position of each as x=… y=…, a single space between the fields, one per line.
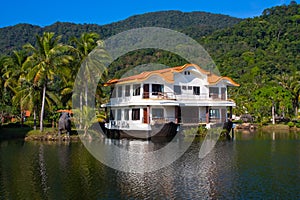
x=15 y=131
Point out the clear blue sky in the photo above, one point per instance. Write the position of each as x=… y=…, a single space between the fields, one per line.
x=43 y=13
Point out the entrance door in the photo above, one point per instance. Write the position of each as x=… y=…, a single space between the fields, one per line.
x=146 y=91
x=146 y=115
x=177 y=114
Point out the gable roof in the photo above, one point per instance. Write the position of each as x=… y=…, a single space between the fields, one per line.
x=168 y=75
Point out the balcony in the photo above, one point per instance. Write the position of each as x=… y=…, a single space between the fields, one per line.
x=216 y=96
x=159 y=95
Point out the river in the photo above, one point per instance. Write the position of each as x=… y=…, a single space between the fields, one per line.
x=253 y=166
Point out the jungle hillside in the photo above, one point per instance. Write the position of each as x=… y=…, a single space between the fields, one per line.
x=39 y=64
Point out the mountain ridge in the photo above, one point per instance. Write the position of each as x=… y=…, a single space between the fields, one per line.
x=194 y=24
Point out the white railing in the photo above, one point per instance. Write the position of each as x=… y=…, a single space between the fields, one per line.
x=169 y=96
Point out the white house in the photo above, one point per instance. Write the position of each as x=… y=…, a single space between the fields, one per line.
x=183 y=95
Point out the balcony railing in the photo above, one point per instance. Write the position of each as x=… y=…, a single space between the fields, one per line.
x=159 y=95
x=170 y=96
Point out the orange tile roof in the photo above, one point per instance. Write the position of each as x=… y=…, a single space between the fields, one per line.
x=168 y=75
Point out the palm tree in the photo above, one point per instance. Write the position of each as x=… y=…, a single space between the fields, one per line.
x=48 y=60
x=28 y=96
x=292 y=84
x=14 y=74
x=83 y=46
x=91 y=56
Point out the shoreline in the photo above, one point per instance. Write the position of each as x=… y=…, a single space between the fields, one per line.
x=50 y=134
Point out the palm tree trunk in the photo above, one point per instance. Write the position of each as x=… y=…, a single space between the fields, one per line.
x=86 y=94
x=34 y=118
x=81 y=106
x=43 y=108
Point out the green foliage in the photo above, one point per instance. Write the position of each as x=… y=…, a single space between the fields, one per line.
x=194 y=24
x=262 y=54
x=291 y=124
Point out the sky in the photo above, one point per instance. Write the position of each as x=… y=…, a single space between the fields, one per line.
x=43 y=13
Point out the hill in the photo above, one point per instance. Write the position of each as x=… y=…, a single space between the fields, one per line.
x=263 y=55
x=195 y=24
x=265 y=45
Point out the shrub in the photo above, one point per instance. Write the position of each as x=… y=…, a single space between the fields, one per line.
x=291 y=124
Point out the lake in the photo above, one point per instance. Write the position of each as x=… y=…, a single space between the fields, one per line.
x=253 y=166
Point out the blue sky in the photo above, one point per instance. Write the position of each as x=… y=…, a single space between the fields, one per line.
x=43 y=13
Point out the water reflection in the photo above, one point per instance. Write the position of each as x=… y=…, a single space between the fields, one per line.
x=254 y=166
x=137 y=156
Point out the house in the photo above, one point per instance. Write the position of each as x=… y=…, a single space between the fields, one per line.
x=183 y=95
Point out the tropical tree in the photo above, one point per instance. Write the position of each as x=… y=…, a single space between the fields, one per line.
x=83 y=46
x=292 y=84
x=14 y=74
x=28 y=96
x=47 y=61
x=92 y=58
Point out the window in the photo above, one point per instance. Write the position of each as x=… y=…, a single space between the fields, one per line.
x=190 y=87
x=127 y=90
x=214 y=92
x=157 y=113
x=120 y=91
x=184 y=87
x=177 y=89
x=187 y=73
x=157 y=89
x=126 y=114
x=135 y=114
x=113 y=92
x=214 y=113
x=119 y=114
x=112 y=114
x=136 y=90
x=223 y=93
x=196 y=90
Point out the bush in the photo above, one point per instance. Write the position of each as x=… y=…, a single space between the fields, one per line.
x=291 y=124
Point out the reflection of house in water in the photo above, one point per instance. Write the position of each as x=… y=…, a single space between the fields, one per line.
x=160 y=183
x=180 y=95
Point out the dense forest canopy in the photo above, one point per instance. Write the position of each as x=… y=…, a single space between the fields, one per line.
x=262 y=54
x=257 y=52
x=195 y=24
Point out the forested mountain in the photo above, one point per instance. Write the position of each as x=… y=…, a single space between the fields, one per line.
x=262 y=54
x=195 y=24
x=268 y=44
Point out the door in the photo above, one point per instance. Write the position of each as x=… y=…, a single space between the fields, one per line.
x=177 y=114
x=146 y=91
x=146 y=115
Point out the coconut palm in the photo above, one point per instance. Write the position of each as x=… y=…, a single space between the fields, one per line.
x=14 y=75
x=92 y=57
x=83 y=46
x=48 y=60
x=292 y=84
x=13 y=71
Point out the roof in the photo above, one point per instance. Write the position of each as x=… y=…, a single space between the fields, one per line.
x=168 y=75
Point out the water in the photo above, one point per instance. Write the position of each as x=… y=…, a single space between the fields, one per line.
x=254 y=166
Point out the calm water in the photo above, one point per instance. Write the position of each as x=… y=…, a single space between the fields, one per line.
x=254 y=166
